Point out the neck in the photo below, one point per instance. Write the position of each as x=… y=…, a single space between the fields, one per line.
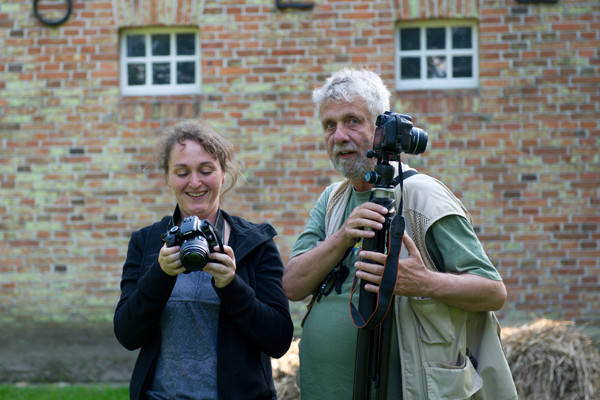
x=360 y=185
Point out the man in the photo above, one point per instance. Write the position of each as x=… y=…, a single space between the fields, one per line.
x=446 y=271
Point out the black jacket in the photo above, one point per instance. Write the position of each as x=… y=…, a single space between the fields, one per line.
x=254 y=317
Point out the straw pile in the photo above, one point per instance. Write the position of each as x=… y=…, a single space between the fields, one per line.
x=284 y=374
x=552 y=360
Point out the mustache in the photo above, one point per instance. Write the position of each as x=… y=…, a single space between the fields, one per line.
x=339 y=148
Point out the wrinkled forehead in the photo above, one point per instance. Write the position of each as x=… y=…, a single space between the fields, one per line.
x=338 y=109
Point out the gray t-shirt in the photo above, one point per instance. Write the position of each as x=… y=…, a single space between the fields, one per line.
x=187 y=363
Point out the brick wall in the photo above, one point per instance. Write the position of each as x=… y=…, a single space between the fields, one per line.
x=521 y=151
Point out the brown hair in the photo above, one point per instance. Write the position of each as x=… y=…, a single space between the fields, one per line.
x=199 y=131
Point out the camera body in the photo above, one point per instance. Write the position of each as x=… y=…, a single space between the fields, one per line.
x=196 y=238
x=395 y=133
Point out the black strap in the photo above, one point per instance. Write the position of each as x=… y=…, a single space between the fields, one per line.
x=385 y=294
x=338 y=275
x=408 y=173
x=220 y=225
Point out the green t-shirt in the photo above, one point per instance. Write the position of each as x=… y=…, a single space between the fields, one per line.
x=328 y=344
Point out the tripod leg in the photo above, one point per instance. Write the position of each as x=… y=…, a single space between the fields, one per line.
x=385 y=345
x=362 y=384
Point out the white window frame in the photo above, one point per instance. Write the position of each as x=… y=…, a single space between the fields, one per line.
x=148 y=88
x=449 y=82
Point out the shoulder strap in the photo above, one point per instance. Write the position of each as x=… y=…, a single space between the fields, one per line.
x=336 y=205
x=408 y=173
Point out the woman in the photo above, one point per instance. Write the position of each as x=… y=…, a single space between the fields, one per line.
x=207 y=334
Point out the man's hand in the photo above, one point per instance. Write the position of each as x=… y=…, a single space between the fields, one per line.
x=465 y=291
x=362 y=222
x=413 y=277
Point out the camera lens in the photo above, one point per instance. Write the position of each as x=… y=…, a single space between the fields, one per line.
x=194 y=254
x=418 y=141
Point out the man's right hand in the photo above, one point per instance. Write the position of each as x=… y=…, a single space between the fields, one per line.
x=305 y=272
x=362 y=222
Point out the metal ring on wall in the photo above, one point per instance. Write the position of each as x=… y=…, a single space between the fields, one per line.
x=54 y=22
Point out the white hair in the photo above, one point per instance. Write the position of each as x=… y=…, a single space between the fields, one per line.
x=349 y=84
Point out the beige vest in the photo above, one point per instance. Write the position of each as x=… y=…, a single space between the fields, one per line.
x=435 y=340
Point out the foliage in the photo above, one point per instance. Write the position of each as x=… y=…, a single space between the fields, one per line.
x=64 y=392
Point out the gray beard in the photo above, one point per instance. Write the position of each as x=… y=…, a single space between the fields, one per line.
x=354 y=169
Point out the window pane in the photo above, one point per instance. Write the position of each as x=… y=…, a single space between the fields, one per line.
x=461 y=38
x=160 y=45
x=436 y=67
x=410 y=68
x=410 y=39
x=436 y=38
x=186 y=72
x=136 y=46
x=161 y=74
x=136 y=74
x=462 y=67
x=186 y=44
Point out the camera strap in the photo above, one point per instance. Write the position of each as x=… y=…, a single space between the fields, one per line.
x=219 y=221
x=385 y=294
x=220 y=225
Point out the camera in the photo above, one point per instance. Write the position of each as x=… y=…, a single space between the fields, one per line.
x=196 y=237
x=394 y=133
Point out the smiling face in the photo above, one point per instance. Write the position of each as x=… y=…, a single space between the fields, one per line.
x=349 y=128
x=195 y=179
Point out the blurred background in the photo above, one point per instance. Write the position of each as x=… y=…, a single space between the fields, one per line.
x=508 y=90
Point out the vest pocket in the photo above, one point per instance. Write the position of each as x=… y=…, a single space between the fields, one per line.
x=434 y=321
x=452 y=381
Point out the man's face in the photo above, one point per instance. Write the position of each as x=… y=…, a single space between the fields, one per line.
x=349 y=129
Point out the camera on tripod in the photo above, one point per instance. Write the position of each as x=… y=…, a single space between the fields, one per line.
x=395 y=134
x=197 y=238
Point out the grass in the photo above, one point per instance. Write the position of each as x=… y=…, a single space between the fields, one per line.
x=64 y=392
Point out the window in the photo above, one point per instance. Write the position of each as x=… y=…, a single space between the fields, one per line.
x=160 y=62
x=436 y=55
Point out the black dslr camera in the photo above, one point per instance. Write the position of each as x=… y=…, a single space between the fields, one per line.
x=395 y=134
x=197 y=238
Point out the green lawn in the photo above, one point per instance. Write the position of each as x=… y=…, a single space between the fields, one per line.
x=64 y=392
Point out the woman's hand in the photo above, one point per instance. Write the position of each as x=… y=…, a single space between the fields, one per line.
x=169 y=260
x=222 y=266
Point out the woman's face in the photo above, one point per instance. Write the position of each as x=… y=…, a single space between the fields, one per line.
x=195 y=179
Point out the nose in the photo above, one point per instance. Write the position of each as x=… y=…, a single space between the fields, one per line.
x=341 y=134
x=195 y=179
